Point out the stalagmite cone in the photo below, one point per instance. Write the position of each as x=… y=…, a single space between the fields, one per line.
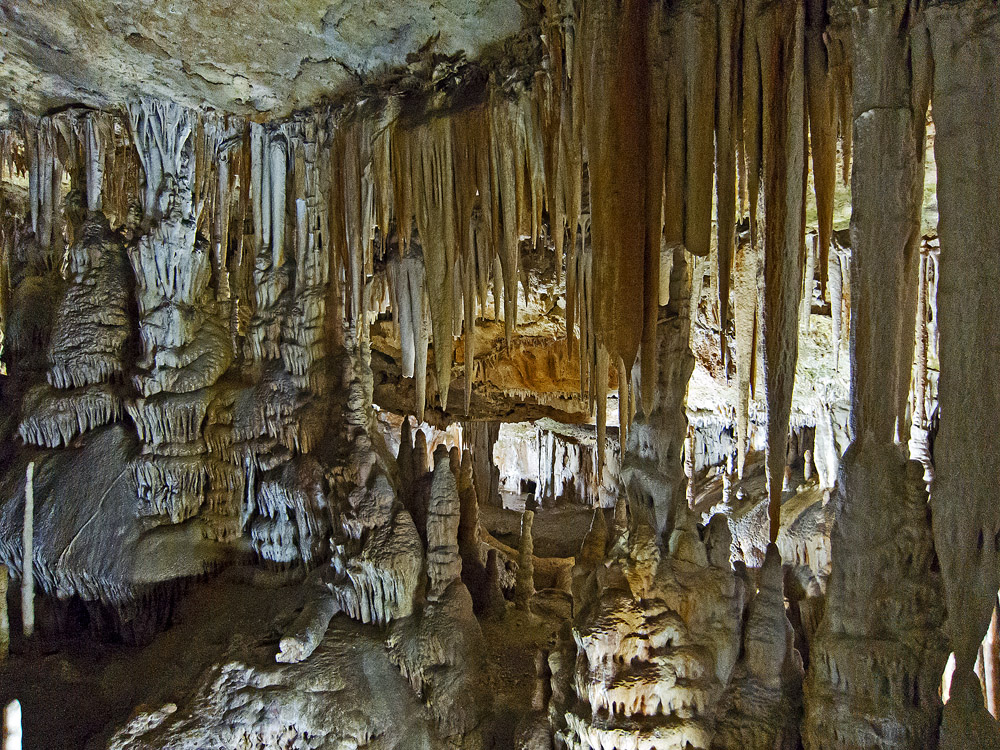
x=524 y=582
x=496 y=606
x=420 y=458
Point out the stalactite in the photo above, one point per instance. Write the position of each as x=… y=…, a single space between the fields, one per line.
x=727 y=94
x=94 y=142
x=480 y=438
x=624 y=411
x=880 y=498
x=822 y=126
x=835 y=280
x=840 y=62
x=697 y=28
x=277 y=156
x=431 y=175
x=779 y=42
x=469 y=292
x=991 y=672
x=617 y=131
x=407 y=278
x=506 y=208
x=571 y=170
x=260 y=186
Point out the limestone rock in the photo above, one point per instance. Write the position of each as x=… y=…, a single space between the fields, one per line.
x=444 y=564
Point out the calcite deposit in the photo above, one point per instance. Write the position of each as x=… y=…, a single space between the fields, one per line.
x=480 y=374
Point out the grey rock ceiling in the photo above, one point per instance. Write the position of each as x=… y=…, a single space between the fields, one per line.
x=239 y=56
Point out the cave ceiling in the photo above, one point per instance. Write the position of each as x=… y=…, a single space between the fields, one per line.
x=240 y=56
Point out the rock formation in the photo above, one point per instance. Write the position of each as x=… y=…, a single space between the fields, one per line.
x=692 y=306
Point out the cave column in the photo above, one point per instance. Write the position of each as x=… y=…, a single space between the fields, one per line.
x=882 y=499
x=965 y=38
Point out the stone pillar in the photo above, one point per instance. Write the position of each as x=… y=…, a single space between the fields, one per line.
x=965 y=39
x=873 y=585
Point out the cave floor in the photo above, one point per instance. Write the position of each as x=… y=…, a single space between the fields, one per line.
x=76 y=691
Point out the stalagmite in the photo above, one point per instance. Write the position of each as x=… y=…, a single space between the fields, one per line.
x=689 y=465
x=474 y=573
x=760 y=705
x=495 y=606
x=28 y=555
x=444 y=563
x=420 y=458
x=524 y=582
x=12 y=725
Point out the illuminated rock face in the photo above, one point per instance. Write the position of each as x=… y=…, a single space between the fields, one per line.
x=210 y=287
x=652 y=656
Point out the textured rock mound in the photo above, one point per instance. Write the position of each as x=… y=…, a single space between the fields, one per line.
x=348 y=695
x=656 y=642
x=877 y=659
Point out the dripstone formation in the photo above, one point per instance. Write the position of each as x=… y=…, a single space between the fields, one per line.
x=551 y=375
